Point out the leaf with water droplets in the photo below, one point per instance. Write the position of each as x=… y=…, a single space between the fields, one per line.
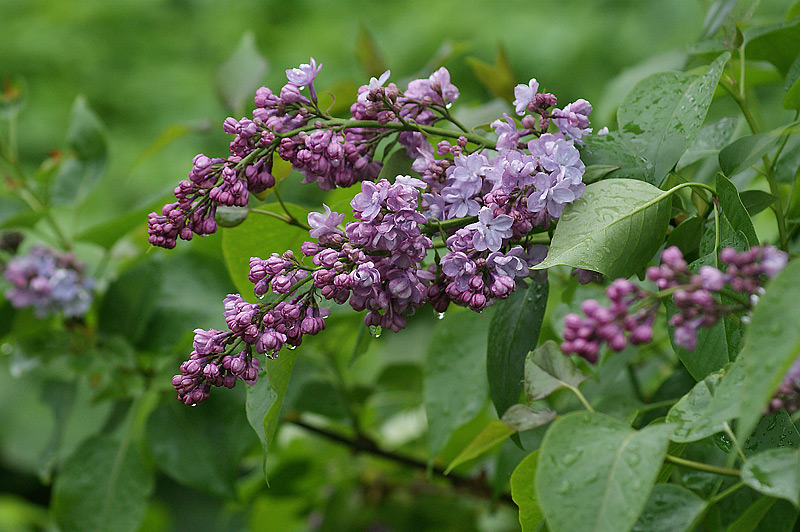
x=615 y=228
x=513 y=332
x=523 y=492
x=775 y=472
x=771 y=345
x=608 y=477
x=670 y=508
x=455 y=374
x=547 y=369
x=708 y=406
x=664 y=112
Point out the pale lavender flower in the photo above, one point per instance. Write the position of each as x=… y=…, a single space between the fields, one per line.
x=324 y=224
x=524 y=95
x=304 y=74
x=573 y=120
x=490 y=230
x=367 y=203
x=511 y=264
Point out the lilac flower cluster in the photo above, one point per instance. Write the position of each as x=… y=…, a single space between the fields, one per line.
x=700 y=300
x=787 y=397
x=585 y=336
x=50 y=282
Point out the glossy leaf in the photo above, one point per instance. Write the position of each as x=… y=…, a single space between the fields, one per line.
x=771 y=345
x=259 y=236
x=595 y=472
x=708 y=406
x=734 y=209
x=493 y=434
x=664 y=112
x=709 y=141
x=521 y=417
x=777 y=43
x=241 y=74
x=756 y=201
x=523 y=492
x=615 y=228
x=396 y=164
x=513 y=332
x=103 y=486
x=744 y=152
x=687 y=235
x=775 y=472
x=260 y=398
x=612 y=149
x=455 y=375
x=597 y=172
x=792 y=86
x=185 y=443
x=547 y=369
x=670 y=508
x=279 y=372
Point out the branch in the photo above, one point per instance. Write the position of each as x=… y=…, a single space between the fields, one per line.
x=363 y=444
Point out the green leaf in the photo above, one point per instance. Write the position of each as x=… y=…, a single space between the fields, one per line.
x=493 y=434
x=595 y=472
x=109 y=232
x=744 y=152
x=771 y=345
x=498 y=78
x=521 y=417
x=513 y=332
x=670 y=508
x=711 y=353
x=716 y=16
x=687 y=235
x=597 y=172
x=260 y=398
x=129 y=302
x=523 y=493
x=792 y=86
x=750 y=519
x=756 y=201
x=734 y=209
x=396 y=164
x=777 y=43
x=279 y=371
x=103 y=486
x=615 y=228
x=189 y=445
x=259 y=236
x=368 y=54
x=708 y=406
x=547 y=369
x=455 y=378
x=775 y=472
x=709 y=141
x=241 y=74
x=664 y=112
x=612 y=149
x=86 y=139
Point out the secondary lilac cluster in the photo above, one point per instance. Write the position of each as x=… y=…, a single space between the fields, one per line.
x=701 y=299
x=50 y=282
x=787 y=397
x=584 y=336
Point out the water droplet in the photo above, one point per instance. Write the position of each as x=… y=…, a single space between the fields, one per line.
x=570 y=457
x=449 y=105
x=194 y=405
x=440 y=315
x=262 y=296
x=564 y=487
x=291 y=347
x=375 y=331
x=632 y=459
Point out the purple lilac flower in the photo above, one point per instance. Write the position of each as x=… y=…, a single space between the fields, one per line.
x=374 y=83
x=573 y=121
x=323 y=225
x=305 y=74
